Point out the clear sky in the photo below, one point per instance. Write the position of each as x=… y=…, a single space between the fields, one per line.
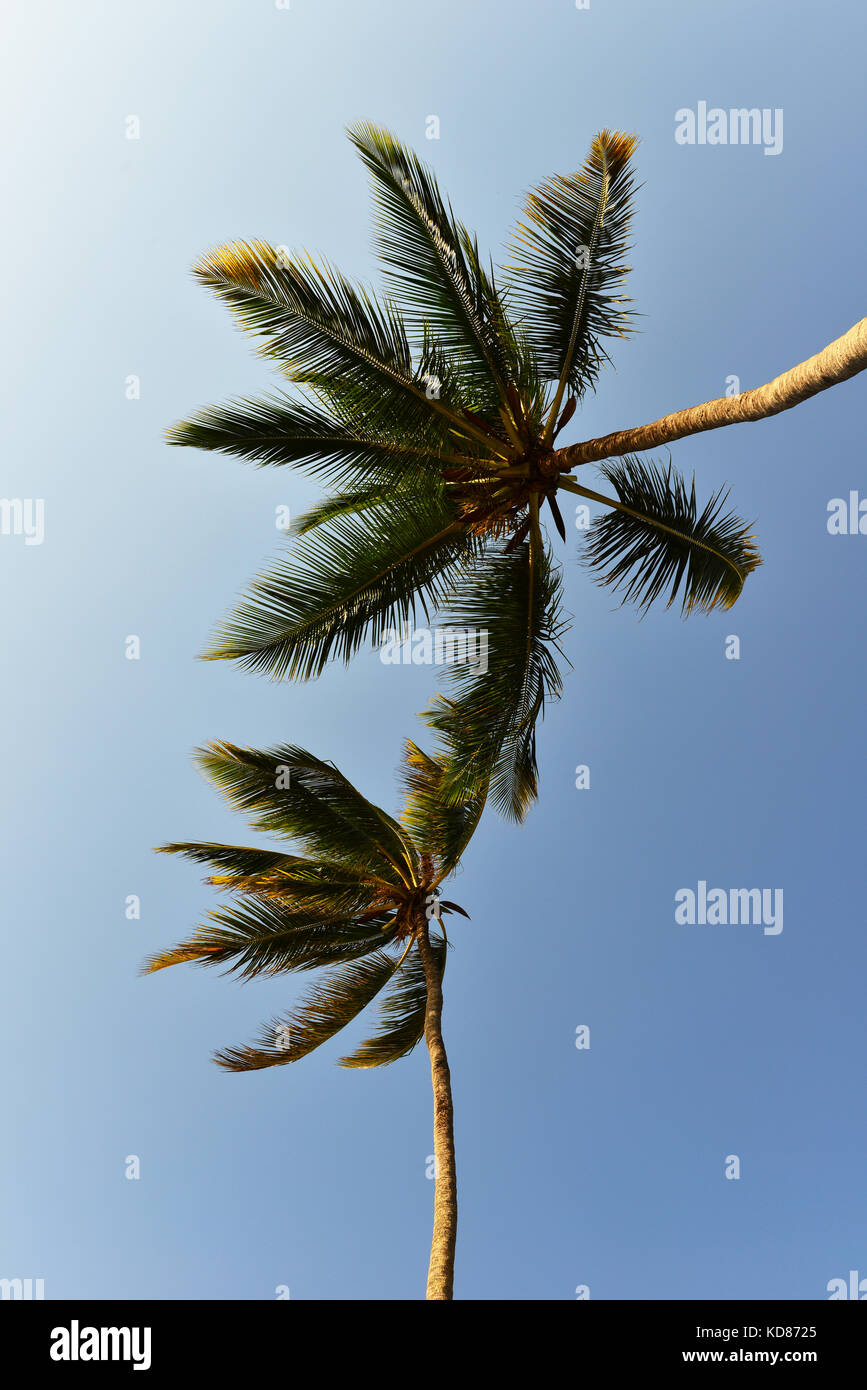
x=602 y=1167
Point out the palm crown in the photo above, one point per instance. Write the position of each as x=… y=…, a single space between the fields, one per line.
x=353 y=902
x=434 y=425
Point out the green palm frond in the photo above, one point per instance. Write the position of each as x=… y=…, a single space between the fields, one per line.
x=443 y=829
x=402 y=1013
x=442 y=428
x=489 y=727
x=310 y=318
x=327 y=1008
x=288 y=791
x=657 y=544
x=380 y=495
x=565 y=285
x=321 y=328
x=277 y=430
x=320 y=886
x=433 y=264
x=239 y=860
x=529 y=379
x=264 y=937
x=347 y=582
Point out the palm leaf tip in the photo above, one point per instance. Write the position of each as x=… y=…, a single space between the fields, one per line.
x=657 y=544
x=177 y=955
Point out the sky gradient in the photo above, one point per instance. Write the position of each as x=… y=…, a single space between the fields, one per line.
x=602 y=1167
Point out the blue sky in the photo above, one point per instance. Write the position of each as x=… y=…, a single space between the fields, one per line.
x=600 y=1167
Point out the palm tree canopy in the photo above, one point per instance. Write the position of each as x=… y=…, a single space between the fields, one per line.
x=431 y=415
x=351 y=904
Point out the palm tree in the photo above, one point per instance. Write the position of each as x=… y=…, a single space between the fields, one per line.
x=358 y=902
x=433 y=415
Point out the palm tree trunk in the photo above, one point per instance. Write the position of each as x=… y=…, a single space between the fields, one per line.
x=843 y=358
x=441 y=1271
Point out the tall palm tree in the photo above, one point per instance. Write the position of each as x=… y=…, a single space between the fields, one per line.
x=433 y=416
x=358 y=902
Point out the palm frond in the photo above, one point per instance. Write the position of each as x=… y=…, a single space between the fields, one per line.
x=565 y=285
x=263 y=937
x=360 y=500
x=280 y=431
x=433 y=264
x=321 y=886
x=657 y=544
x=402 y=1013
x=442 y=829
x=348 y=581
x=241 y=860
x=489 y=727
x=288 y=791
x=309 y=317
x=327 y=1008
x=319 y=327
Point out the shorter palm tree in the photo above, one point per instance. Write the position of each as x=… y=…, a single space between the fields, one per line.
x=358 y=902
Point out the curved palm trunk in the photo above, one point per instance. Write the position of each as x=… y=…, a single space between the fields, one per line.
x=441 y=1271
x=843 y=358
